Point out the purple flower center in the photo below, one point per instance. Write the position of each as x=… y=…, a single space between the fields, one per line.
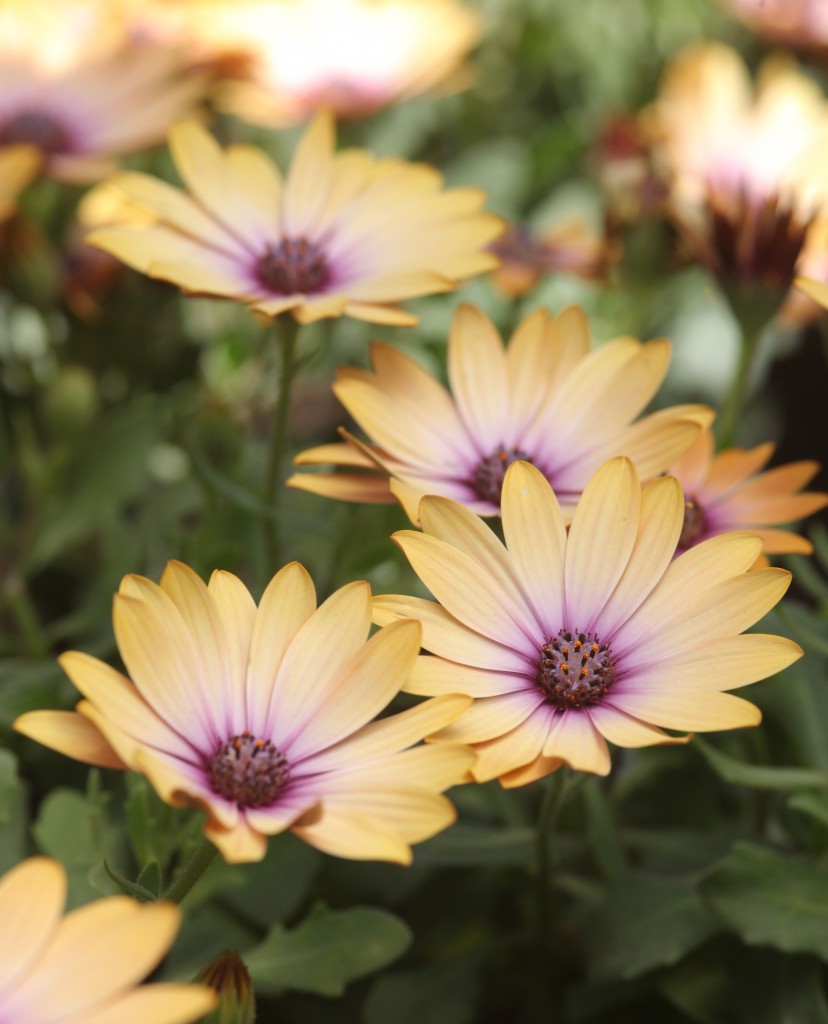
x=575 y=670
x=36 y=129
x=694 y=526
x=489 y=475
x=249 y=771
x=294 y=265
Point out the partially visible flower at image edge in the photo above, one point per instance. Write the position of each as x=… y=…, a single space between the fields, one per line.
x=817 y=290
x=546 y=398
x=261 y=717
x=343 y=234
x=84 y=968
x=728 y=490
x=569 y=641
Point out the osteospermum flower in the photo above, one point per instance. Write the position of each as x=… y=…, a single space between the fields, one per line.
x=86 y=103
x=569 y=641
x=798 y=23
x=745 y=168
x=18 y=165
x=352 y=56
x=526 y=255
x=84 y=968
x=729 y=491
x=261 y=716
x=546 y=399
x=343 y=233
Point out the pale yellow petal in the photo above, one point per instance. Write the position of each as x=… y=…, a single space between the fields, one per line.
x=374 y=490
x=445 y=636
x=161 y=1003
x=310 y=178
x=514 y=749
x=364 y=687
x=345 y=832
x=238 y=845
x=313 y=664
x=662 y=517
x=479 y=377
x=286 y=605
x=490 y=717
x=32 y=896
x=412 y=813
x=685 y=709
x=432 y=676
x=237 y=612
x=601 y=540
x=574 y=739
x=536 y=538
x=71 y=734
x=626 y=731
x=537 y=769
x=817 y=290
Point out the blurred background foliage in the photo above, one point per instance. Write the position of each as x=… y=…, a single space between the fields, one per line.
x=691 y=885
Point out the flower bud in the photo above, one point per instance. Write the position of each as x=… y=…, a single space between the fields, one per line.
x=228 y=976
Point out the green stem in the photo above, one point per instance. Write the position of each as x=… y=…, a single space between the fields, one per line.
x=550 y=810
x=731 y=412
x=287 y=336
x=205 y=854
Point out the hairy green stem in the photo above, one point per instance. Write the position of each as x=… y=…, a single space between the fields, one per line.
x=731 y=411
x=204 y=855
x=287 y=334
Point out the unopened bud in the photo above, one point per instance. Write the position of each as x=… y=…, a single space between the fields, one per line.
x=228 y=976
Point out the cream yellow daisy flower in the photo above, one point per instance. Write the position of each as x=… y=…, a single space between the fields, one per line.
x=262 y=716
x=85 y=968
x=343 y=233
x=548 y=398
x=732 y=490
x=567 y=641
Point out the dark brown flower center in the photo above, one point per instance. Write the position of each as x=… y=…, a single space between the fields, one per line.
x=694 y=524
x=249 y=771
x=36 y=129
x=489 y=475
x=294 y=265
x=575 y=670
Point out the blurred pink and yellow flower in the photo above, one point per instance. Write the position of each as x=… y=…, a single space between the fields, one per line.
x=569 y=641
x=546 y=399
x=68 y=89
x=729 y=491
x=343 y=233
x=745 y=167
x=85 y=968
x=262 y=717
x=526 y=255
x=797 y=23
x=351 y=56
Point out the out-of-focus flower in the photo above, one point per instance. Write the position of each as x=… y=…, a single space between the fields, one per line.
x=78 y=98
x=344 y=233
x=546 y=399
x=569 y=641
x=796 y=23
x=526 y=255
x=351 y=56
x=728 y=491
x=746 y=170
x=84 y=968
x=229 y=978
x=260 y=717
x=18 y=166
x=624 y=168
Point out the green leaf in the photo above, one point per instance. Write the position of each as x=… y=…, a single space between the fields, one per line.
x=136 y=889
x=327 y=950
x=770 y=899
x=669 y=919
x=441 y=993
x=774 y=989
x=815 y=805
x=71 y=827
x=12 y=813
x=274 y=888
x=760 y=776
x=603 y=832
x=478 y=844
